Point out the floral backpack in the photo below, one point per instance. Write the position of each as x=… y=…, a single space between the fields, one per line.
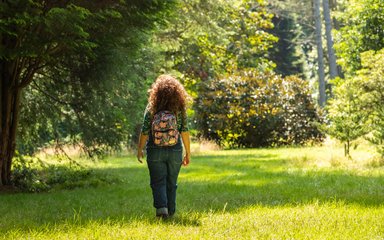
x=164 y=129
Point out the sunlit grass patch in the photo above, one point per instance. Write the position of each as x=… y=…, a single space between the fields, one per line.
x=333 y=220
x=282 y=193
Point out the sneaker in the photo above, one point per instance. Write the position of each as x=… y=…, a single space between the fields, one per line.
x=162 y=212
x=162 y=216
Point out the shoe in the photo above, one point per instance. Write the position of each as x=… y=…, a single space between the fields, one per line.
x=162 y=213
x=162 y=216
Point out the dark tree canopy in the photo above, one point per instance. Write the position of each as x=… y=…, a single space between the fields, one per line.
x=68 y=57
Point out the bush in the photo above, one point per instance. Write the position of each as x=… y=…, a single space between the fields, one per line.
x=25 y=174
x=75 y=177
x=32 y=175
x=376 y=162
x=252 y=109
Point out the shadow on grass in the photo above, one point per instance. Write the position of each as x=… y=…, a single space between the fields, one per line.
x=180 y=220
x=211 y=184
x=267 y=180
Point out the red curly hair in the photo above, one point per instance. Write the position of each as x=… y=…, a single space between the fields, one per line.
x=167 y=93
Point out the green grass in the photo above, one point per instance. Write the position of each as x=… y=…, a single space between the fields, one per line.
x=286 y=193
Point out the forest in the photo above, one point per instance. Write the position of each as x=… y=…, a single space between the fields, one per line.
x=261 y=73
x=286 y=118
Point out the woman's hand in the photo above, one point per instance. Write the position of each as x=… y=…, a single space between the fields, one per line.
x=140 y=155
x=187 y=145
x=142 y=140
x=186 y=159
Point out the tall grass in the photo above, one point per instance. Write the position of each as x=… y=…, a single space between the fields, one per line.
x=285 y=193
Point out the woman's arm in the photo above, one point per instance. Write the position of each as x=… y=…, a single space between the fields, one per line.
x=142 y=140
x=187 y=146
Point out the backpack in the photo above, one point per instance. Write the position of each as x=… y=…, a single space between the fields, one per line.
x=164 y=129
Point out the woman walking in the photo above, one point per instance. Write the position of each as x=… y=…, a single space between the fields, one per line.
x=163 y=130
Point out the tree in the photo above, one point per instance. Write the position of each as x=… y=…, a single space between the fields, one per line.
x=361 y=30
x=207 y=38
x=95 y=106
x=371 y=79
x=44 y=40
x=287 y=53
x=328 y=32
x=346 y=114
x=357 y=107
x=320 y=57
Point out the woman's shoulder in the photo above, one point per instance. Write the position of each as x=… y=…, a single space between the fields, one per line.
x=147 y=109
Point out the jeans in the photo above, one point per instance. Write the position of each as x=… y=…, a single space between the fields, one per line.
x=164 y=167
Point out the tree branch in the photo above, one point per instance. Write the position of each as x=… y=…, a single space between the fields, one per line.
x=30 y=71
x=38 y=88
x=54 y=50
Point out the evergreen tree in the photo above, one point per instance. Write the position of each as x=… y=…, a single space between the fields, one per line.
x=56 y=45
x=287 y=53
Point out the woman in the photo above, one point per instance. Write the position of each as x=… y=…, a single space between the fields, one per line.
x=168 y=98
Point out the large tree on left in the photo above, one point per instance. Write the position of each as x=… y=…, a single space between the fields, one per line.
x=37 y=37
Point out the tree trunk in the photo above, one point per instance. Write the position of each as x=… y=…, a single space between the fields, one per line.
x=9 y=114
x=336 y=26
x=328 y=32
x=347 y=148
x=320 y=57
x=15 y=73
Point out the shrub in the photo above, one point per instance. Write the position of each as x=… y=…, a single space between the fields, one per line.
x=376 y=162
x=75 y=177
x=32 y=175
x=25 y=174
x=253 y=109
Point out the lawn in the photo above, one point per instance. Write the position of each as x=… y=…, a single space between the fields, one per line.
x=285 y=193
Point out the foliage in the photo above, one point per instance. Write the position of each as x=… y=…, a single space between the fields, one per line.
x=207 y=38
x=64 y=177
x=357 y=107
x=254 y=109
x=362 y=29
x=96 y=116
x=376 y=162
x=295 y=52
x=25 y=175
x=288 y=53
x=89 y=89
x=346 y=114
x=33 y=175
x=371 y=78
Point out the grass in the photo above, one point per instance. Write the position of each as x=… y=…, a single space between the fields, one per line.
x=285 y=193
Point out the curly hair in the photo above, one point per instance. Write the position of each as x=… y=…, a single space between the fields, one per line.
x=167 y=93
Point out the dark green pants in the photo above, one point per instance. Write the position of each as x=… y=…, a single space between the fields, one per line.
x=164 y=167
